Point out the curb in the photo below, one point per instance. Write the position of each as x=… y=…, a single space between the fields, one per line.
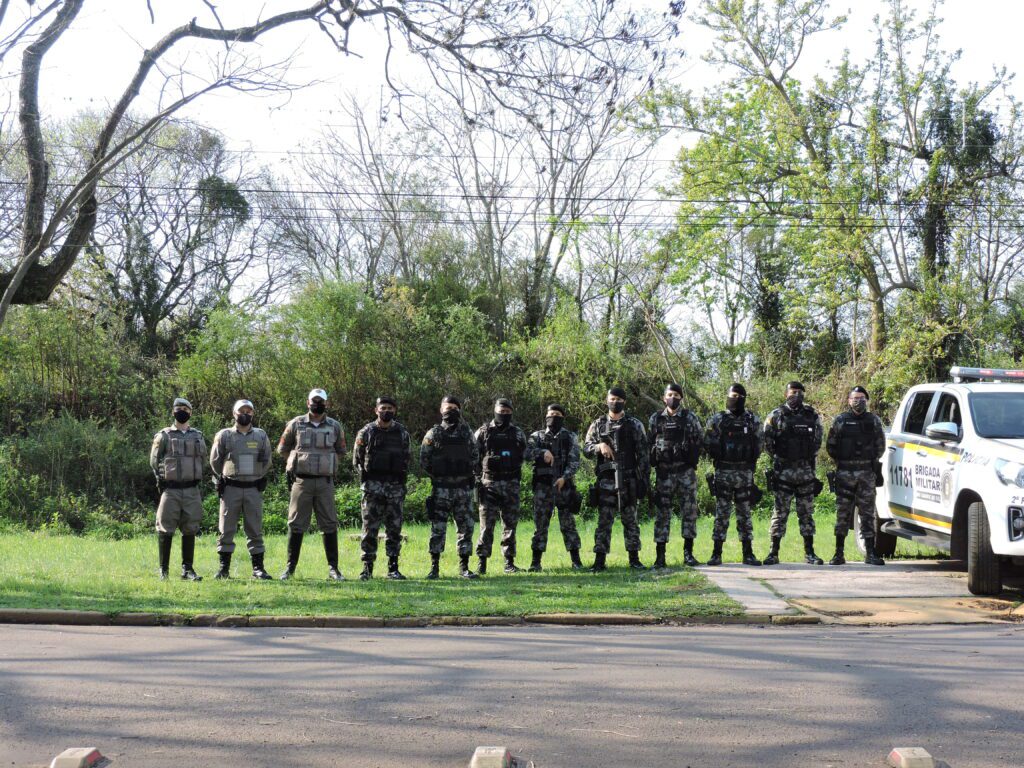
x=99 y=619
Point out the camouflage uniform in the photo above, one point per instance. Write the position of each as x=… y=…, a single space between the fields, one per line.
x=177 y=457
x=381 y=457
x=636 y=468
x=312 y=452
x=546 y=497
x=856 y=442
x=676 y=442
x=792 y=438
x=451 y=484
x=733 y=441
x=501 y=452
x=241 y=459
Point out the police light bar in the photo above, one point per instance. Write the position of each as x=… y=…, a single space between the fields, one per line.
x=962 y=375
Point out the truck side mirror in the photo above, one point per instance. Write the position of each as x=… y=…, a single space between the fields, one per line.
x=944 y=432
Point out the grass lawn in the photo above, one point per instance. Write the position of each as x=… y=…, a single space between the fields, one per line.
x=85 y=573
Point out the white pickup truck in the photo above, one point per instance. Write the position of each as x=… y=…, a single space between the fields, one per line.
x=954 y=473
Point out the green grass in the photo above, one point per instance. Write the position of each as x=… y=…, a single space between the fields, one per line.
x=86 y=573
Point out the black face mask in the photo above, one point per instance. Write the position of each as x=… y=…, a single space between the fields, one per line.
x=795 y=401
x=616 y=407
x=673 y=402
x=244 y=419
x=502 y=419
x=735 y=404
x=182 y=416
x=386 y=416
x=859 y=407
x=555 y=422
x=451 y=417
x=317 y=408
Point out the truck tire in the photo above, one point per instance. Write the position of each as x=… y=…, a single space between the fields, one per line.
x=983 y=576
x=885 y=543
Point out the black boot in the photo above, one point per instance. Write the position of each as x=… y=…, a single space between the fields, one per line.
x=510 y=564
x=838 y=558
x=367 y=573
x=464 y=567
x=258 y=570
x=574 y=557
x=535 y=564
x=716 y=554
x=773 y=556
x=225 y=566
x=188 y=552
x=163 y=545
x=331 y=553
x=659 y=556
x=809 y=557
x=482 y=568
x=748 y=554
x=435 y=566
x=393 y=573
x=294 y=550
x=688 y=559
x=599 y=565
x=870 y=556
x=634 y=561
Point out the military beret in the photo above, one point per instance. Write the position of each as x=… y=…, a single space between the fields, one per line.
x=451 y=399
x=617 y=392
x=502 y=402
x=387 y=400
x=739 y=389
x=178 y=401
x=674 y=388
x=556 y=407
x=860 y=390
x=795 y=385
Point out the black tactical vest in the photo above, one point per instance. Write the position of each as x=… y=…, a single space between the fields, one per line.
x=671 y=445
x=623 y=442
x=454 y=459
x=795 y=441
x=738 y=444
x=386 y=454
x=503 y=455
x=559 y=446
x=856 y=440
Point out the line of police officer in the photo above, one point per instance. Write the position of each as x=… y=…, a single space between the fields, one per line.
x=490 y=460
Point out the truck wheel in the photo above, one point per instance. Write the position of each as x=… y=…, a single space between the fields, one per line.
x=983 y=576
x=885 y=543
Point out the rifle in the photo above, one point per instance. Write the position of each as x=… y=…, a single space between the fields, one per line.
x=620 y=481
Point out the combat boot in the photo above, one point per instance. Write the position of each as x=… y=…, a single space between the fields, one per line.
x=225 y=566
x=535 y=565
x=574 y=557
x=482 y=568
x=294 y=550
x=659 y=556
x=331 y=553
x=435 y=566
x=367 y=573
x=464 y=568
x=258 y=570
x=870 y=556
x=716 y=554
x=837 y=558
x=393 y=573
x=688 y=559
x=599 y=564
x=748 y=554
x=510 y=564
x=773 y=555
x=809 y=557
x=188 y=552
x=163 y=543
x=634 y=561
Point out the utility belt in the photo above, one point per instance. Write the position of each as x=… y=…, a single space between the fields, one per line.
x=503 y=476
x=453 y=482
x=179 y=486
x=299 y=476
x=241 y=483
x=740 y=466
x=385 y=477
x=676 y=466
x=855 y=466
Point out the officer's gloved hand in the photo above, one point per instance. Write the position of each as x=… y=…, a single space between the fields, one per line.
x=161 y=486
x=261 y=484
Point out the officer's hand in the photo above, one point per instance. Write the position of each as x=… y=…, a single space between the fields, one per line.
x=261 y=484
x=548 y=457
x=560 y=482
x=606 y=450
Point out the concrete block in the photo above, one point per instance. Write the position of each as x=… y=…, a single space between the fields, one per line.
x=135 y=620
x=80 y=757
x=491 y=757
x=286 y=621
x=351 y=622
x=232 y=621
x=589 y=619
x=798 y=619
x=407 y=621
x=910 y=757
x=204 y=620
x=46 y=616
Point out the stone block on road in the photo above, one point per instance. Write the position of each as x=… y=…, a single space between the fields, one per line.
x=910 y=757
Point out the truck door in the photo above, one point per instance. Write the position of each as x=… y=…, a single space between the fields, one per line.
x=901 y=455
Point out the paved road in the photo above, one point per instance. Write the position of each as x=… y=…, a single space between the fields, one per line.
x=642 y=697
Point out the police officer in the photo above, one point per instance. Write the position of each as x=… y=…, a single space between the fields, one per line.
x=501 y=447
x=792 y=437
x=733 y=439
x=676 y=439
x=555 y=453
x=618 y=445
x=381 y=458
x=448 y=456
x=856 y=441
x=176 y=458
x=240 y=457
x=312 y=446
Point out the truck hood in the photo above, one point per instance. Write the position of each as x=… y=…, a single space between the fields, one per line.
x=1011 y=450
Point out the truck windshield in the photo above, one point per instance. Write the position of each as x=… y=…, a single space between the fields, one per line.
x=998 y=414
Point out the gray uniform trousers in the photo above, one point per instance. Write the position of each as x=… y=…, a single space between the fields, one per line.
x=180 y=508
x=247 y=504
x=312 y=495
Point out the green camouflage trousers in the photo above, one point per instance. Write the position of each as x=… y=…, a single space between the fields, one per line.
x=794 y=482
x=545 y=499
x=733 y=489
x=499 y=499
x=607 y=511
x=667 y=485
x=855 y=488
x=456 y=503
x=382 y=503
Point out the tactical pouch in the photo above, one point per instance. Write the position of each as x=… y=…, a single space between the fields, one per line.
x=756 y=494
x=818 y=487
x=879 y=479
x=831 y=477
x=592 y=495
x=769 y=480
x=712 y=485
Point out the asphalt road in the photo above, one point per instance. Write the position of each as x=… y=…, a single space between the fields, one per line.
x=639 y=697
